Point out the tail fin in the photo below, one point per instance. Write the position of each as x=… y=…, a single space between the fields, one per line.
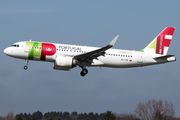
x=161 y=43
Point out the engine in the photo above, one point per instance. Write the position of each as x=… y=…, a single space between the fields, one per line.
x=64 y=63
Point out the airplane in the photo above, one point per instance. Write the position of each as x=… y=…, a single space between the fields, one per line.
x=66 y=57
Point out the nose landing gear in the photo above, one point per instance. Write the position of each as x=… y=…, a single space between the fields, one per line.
x=26 y=66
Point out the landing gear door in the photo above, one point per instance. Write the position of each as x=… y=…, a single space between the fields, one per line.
x=140 y=58
x=27 y=49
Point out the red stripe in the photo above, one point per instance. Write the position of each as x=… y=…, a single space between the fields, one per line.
x=159 y=45
x=168 y=30
x=45 y=52
x=171 y=31
x=167 y=42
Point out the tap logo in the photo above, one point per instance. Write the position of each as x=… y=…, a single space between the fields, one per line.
x=40 y=50
x=163 y=40
x=160 y=46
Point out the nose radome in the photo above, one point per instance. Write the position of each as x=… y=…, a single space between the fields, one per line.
x=7 y=51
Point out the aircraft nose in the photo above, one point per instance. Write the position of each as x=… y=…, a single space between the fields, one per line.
x=7 y=51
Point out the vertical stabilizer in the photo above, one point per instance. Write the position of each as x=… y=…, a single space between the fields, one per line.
x=161 y=43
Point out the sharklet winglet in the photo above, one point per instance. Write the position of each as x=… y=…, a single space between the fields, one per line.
x=113 y=41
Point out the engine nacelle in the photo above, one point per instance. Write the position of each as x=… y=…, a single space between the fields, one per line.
x=64 y=63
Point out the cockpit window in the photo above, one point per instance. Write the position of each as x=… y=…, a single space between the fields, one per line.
x=15 y=45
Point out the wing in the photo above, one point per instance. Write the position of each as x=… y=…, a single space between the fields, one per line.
x=89 y=56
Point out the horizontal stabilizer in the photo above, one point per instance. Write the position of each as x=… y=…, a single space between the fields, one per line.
x=164 y=57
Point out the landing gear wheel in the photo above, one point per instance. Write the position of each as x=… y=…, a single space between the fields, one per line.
x=25 y=67
x=84 y=72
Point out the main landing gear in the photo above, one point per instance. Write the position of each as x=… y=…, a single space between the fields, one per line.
x=84 y=72
x=26 y=66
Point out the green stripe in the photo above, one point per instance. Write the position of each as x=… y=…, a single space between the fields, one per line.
x=32 y=51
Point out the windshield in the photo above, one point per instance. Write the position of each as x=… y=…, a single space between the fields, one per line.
x=15 y=45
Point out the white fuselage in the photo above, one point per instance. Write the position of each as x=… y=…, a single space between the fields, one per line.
x=115 y=58
x=66 y=56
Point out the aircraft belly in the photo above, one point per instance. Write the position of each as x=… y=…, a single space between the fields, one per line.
x=50 y=58
x=119 y=62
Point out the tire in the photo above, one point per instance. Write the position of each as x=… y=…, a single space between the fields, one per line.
x=84 y=72
x=25 y=67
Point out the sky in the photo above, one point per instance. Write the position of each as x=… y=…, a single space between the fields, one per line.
x=90 y=23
